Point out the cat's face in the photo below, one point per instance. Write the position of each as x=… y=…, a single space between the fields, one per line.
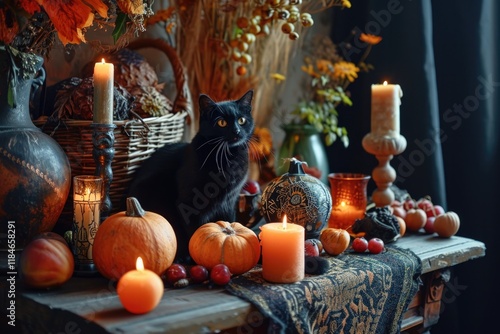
x=229 y=121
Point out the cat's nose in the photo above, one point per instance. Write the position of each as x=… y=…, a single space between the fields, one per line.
x=236 y=131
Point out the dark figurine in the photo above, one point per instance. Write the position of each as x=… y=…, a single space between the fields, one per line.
x=378 y=223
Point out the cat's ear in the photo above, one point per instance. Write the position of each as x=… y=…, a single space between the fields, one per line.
x=246 y=99
x=205 y=102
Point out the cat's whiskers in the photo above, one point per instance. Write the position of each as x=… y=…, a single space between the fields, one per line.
x=218 y=141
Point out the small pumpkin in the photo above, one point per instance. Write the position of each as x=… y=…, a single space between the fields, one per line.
x=447 y=224
x=402 y=225
x=126 y=235
x=415 y=219
x=232 y=244
x=335 y=240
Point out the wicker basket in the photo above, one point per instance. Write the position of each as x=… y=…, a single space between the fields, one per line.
x=135 y=140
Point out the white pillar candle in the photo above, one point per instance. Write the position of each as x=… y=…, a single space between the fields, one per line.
x=103 y=93
x=386 y=100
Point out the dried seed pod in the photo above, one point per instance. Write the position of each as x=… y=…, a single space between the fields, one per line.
x=242 y=22
x=241 y=70
x=245 y=58
x=293 y=36
x=287 y=27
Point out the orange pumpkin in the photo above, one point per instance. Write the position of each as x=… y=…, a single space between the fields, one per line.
x=233 y=244
x=447 y=224
x=126 y=235
x=334 y=240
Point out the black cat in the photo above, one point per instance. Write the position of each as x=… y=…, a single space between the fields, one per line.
x=191 y=184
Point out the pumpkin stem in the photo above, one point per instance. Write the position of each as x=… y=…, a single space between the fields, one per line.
x=296 y=167
x=228 y=230
x=134 y=209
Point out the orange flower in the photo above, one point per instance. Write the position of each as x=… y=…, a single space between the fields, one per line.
x=70 y=17
x=135 y=7
x=324 y=66
x=261 y=144
x=309 y=69
x=370 y=39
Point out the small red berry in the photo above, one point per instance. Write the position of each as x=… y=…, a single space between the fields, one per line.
x=360 y=245
x=175 y=272
x=198 y=273
x=375 y=245
x=220 y=274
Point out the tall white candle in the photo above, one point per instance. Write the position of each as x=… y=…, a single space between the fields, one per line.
x=103 y=92
x=386 y=100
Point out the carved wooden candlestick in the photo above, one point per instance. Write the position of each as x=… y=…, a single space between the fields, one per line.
x=384 y=148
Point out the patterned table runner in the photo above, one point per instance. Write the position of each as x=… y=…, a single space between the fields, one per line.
x=360 y=293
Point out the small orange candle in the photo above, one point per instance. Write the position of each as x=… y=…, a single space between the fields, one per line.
x=140 y=290
x=283 y=253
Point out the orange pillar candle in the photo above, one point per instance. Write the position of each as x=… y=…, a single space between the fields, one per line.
x=140 y=290
x=103 y=92
x=283 y=253
x=386 y=100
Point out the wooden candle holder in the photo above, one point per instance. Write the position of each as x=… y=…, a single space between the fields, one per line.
x=384 y=148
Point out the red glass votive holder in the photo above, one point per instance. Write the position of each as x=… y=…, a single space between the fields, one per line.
x=349 y=199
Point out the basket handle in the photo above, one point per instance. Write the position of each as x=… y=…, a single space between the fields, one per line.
x=183 y=100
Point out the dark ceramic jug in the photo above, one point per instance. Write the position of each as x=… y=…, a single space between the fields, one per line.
x=35 y=174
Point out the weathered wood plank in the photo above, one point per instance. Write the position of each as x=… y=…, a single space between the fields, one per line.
x=437 y=253
x=91 y=304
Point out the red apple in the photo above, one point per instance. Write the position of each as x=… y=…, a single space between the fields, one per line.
x=429 y=225
x=424 y=204
x=46 y=261
x=435 y=211
x=311 y=248
x=252 y=187
x=408 y=204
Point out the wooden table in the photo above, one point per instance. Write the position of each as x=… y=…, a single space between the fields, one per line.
x=90 y=305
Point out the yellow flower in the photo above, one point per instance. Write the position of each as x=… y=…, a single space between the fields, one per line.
x=346 y=3
x=278 y=77
x=370 y=39
x=345 y=70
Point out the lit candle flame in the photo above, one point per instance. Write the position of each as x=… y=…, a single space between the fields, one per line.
x=103 y=61
x=284 y=222
x=342 y=203
x=385 y=83
x=139 y=265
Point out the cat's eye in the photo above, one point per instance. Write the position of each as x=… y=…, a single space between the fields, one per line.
x=242 y=120
x=222 y=123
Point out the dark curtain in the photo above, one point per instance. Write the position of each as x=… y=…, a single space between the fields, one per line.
x=444 y=54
